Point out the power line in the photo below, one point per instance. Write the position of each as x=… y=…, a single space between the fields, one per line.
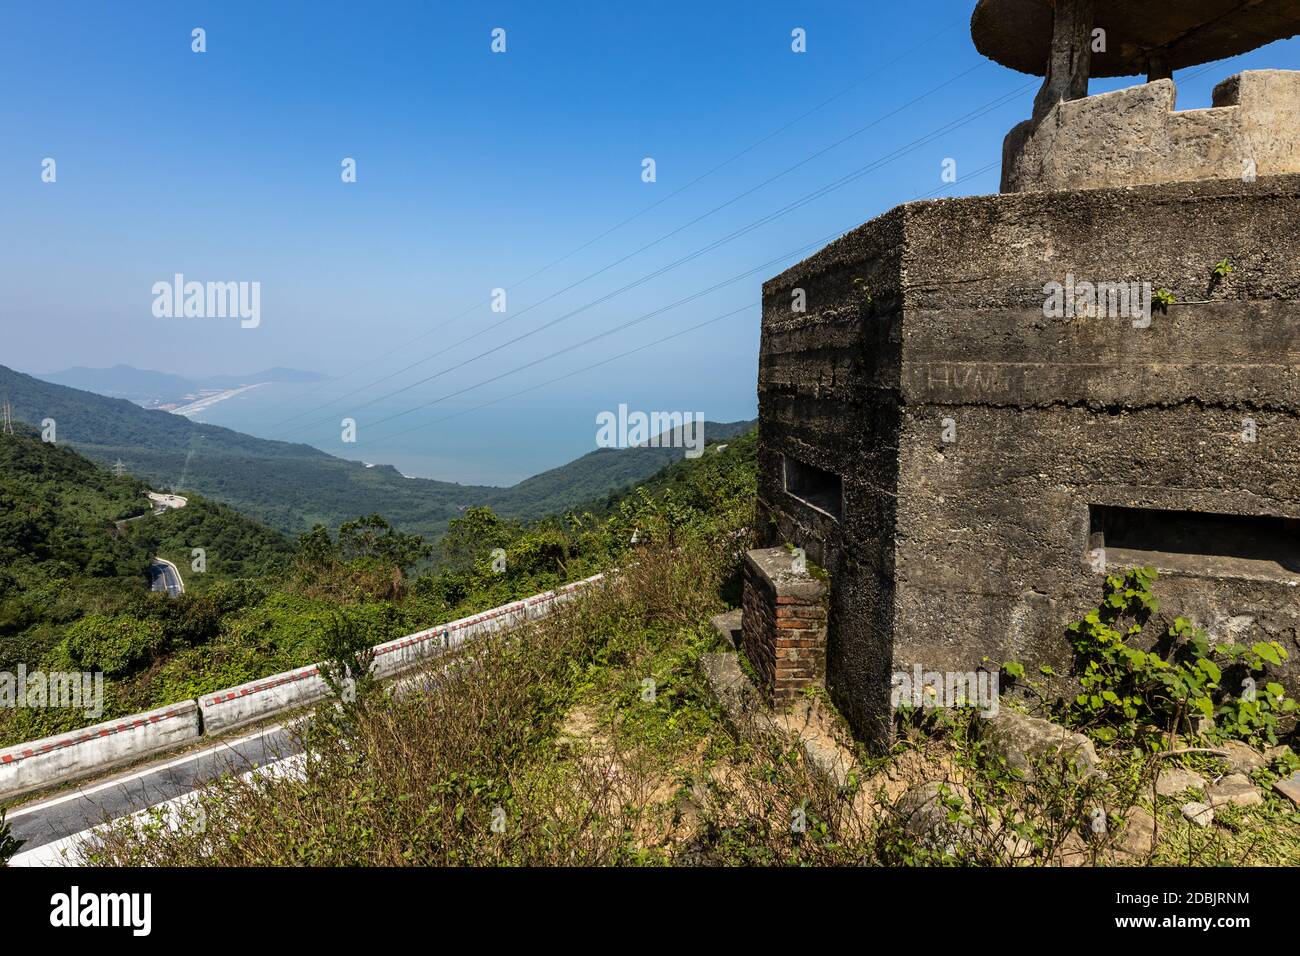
x=993 y=104
x=839 y=183
x=814 y=244
x=611 y=331
x=635 y=252
x=391 y=436
x=831 y=187
x=961 y=21
x=585 y=368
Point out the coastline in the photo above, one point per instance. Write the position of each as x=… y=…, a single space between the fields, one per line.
x=208 y=401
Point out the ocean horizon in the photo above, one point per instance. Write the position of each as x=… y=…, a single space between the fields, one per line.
x=498 y=445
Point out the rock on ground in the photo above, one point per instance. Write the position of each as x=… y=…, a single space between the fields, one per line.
x=924 y=812
x=728 y=683
x=728 y=625
x=1175 y=780
x=1242 y=758
x=1276 y=753
x=813 y=726
x=1235 y=790
x=1290 y=787
x=1138 y=838
x=807 y=720
x=1202 y=814
x=1022 y=741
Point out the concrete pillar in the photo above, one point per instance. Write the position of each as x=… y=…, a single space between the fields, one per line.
x=1070 y=62
x=1158 y=67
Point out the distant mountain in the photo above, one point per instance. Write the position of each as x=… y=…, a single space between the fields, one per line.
x=123 y=381
x=287 y=486
x=293 y=486
x=152 y=389
x=606 y=471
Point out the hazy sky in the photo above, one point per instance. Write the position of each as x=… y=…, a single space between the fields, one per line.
x=474 y=170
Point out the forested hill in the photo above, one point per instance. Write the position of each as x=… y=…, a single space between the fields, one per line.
x=76 y=539
x=294 y=486
x=76 y=542
x=605 y=472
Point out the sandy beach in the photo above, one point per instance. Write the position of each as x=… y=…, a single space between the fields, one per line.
x=207 y=401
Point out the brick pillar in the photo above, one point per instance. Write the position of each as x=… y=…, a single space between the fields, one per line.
x=783 y=631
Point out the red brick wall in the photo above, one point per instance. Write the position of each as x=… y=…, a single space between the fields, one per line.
x=783 y=631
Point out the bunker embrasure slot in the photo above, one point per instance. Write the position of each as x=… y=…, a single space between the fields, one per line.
x=814 y=486
x=1197 y=542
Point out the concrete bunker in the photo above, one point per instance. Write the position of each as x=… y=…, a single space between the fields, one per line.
x=967 y=468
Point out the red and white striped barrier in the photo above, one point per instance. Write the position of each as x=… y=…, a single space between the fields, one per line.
x=406 y=652
x=236 y=706
x=43 y=763
x=79 y=753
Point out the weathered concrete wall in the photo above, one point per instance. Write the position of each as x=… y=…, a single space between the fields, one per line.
x=828 y=387
x=29 y=767
x=1135 y=136
x=950 y=552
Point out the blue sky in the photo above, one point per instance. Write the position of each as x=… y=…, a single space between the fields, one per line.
x=474 y=170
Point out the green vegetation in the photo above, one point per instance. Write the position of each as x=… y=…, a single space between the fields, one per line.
x=233 y=546
x=347 y=659
x=592 y=738
x=1143 y=679
x=73 y=542
x=8 y=845
x=1130 y=693
x=263 y=605
x=609 y=472
x=75 y=547
x=421 y=778
x=292 y=487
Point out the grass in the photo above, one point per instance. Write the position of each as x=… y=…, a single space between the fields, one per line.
x=591 y=739
x=420 y=779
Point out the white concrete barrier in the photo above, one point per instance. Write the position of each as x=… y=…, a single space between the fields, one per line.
x=80 y=753
x=43 y=763
x=236 y=706
x=406 y=652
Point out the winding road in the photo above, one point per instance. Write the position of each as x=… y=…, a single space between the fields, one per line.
x=163 y=575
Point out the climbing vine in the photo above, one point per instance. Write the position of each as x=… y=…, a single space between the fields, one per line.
x=1127 y=693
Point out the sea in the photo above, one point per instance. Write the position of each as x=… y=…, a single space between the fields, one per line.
x=497 y=445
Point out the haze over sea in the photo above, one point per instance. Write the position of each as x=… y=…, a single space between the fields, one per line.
x=497 y=445
x=522 y=171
